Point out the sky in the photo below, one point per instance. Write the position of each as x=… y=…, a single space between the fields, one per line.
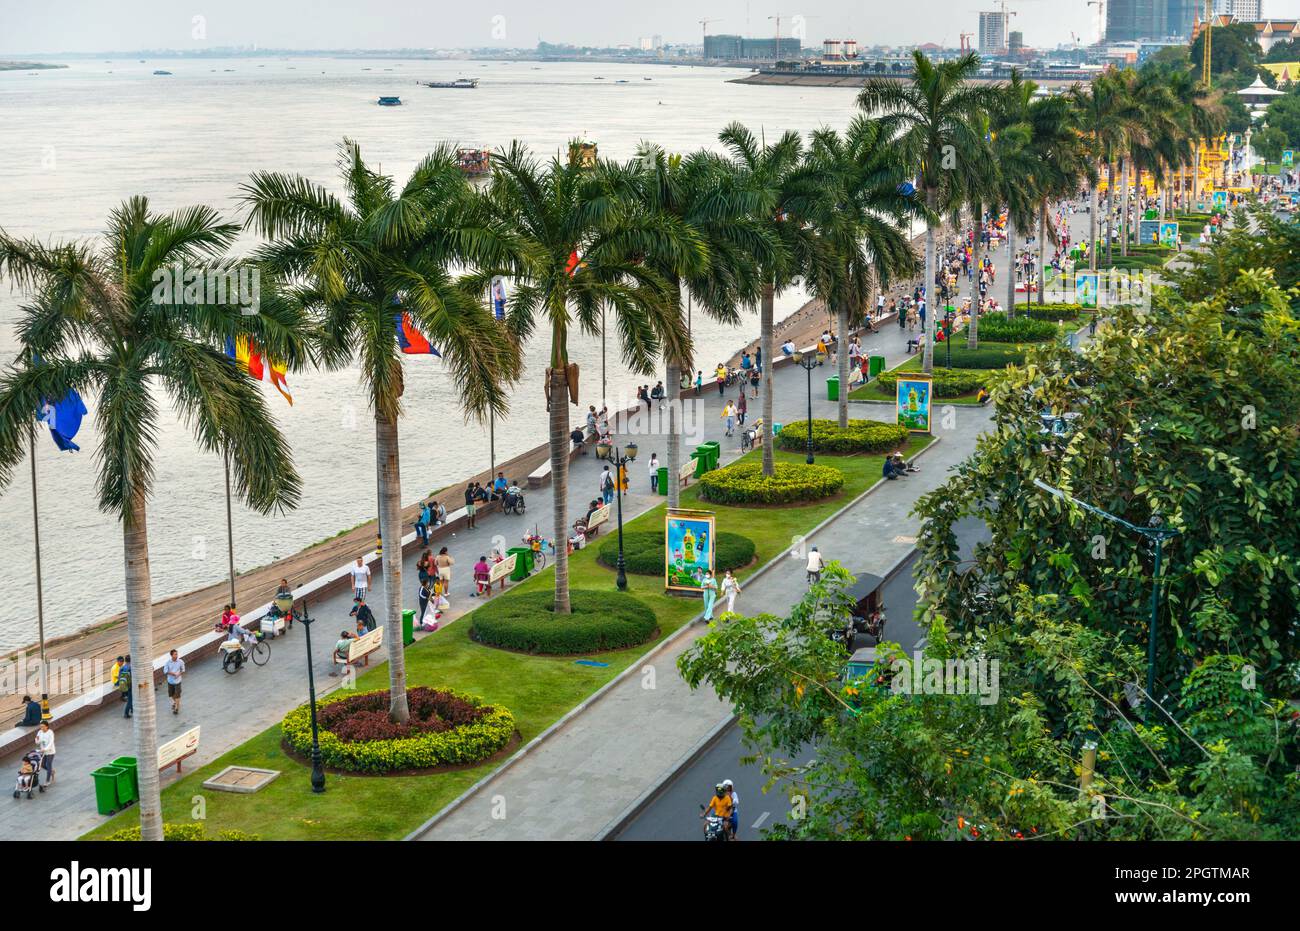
x=28 y=27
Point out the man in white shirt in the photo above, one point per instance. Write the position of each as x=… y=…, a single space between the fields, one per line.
x=654 y=473
x=788 y=347
x=360 y=580
x=814 y=565
x=174 y=670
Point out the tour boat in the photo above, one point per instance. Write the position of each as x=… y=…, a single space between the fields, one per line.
x=463 y=84
x=390 y=101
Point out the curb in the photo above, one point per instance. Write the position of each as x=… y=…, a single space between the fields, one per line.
x=632 y=669
x=643 y=801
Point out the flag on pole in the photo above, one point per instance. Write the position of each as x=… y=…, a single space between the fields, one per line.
x=411 y=340
x=499 y=297
x=64 y=420
x=573 y=264
x=242 y=351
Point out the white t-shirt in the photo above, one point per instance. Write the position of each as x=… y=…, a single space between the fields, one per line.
x=814 y=561
x=654 y=465
x=45 y=742
x=360 y=576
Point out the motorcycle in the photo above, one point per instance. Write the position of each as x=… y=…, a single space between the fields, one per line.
x=715 y=828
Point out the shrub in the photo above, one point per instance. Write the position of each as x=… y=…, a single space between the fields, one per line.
x=862 y=436
x=600 y=621
x=947 y=384
x=1051 y=312
x=643 y=551
x=472 y=732
x=998 y=328
x=744 y=483
x=188 y=831
x=988 y=356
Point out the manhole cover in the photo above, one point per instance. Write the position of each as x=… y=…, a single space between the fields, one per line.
x=907 y=540
x=244 y=779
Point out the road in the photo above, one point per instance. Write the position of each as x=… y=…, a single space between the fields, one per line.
x=673 y=813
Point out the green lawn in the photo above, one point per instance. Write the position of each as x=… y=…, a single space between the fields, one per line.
x=537 y=690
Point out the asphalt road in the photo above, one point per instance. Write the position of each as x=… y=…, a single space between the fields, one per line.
x=673 y=813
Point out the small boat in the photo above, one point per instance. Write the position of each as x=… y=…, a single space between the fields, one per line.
x=647 y=79
x=598 y=78
x=464 y=84
x=390 y=101
x=620 y=81
x=162 y=72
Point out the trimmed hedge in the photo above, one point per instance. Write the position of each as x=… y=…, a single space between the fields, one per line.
x=186 y=831
x=996 y=327
x=601 y=621
x=992 y=356
x=1053 y=312
x=947 y=384
x=490 y=730
x=643 y=551
x=744 y=483
x=862 y=436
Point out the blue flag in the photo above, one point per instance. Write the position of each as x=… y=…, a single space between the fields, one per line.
x=64 y=419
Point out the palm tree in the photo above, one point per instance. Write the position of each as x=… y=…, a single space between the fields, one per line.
x=1017 y=165
x=97 y=326
x=586 y=243
x=1106 y=113
x=363 y=262
x=850 y=192
x=979 y=185
x=702 y=193
x=934 y=119
x=766 y=173
x=1058 y=163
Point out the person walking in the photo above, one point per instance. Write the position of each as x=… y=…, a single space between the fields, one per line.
x=699 y=381
x=729 y=415
x=360 y=580
x=742 y=406
x=754 y=378
x=174 y=670
x=654 y=473
x=730 y=589
x=124 y=686
x=45 y=744
x=606 y=486
x=720 y=376
x=444 y=562
x=709 y=585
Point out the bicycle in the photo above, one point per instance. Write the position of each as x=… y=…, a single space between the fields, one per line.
x=252 y=647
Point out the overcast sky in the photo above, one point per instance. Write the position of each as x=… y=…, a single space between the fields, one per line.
x=125 y=25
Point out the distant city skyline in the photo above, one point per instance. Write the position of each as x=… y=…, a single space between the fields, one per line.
x=82 y=26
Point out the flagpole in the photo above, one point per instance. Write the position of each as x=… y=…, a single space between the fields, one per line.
x=40 y=595
x=230 y=535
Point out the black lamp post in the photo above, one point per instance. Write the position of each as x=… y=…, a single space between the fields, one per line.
x=317 y=771
x=809 y=361
x=620 y=467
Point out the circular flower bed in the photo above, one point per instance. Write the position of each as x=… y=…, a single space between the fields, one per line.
x=643 y=551
x=744 y=483
x=862 y=436
x=600 y=621
x=446 y=729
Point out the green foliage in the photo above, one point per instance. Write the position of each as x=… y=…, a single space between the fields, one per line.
x=993 y=356
x=996 y=327
x=744 y=483
x=468 y=743
x=643 y=551
x=1053 y=312
x=862 y=436
x=948 y=383
x=187 y=831
x=526 y=621
x=1257 y=240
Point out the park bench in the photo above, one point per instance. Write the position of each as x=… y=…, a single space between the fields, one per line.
x=598 y=517
x=685 y=472
x=361 y=648
x=178 y=749
x=498 y=573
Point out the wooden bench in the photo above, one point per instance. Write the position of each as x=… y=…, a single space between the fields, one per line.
x=178 y=749
x=598 y=517
x=686 y=471
x=498 y=573
x=360 y=649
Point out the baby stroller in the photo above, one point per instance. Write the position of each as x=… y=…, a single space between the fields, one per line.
x=513 y=504
x=29 y=774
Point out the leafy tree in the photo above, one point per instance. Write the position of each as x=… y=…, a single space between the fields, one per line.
x=1269 y=143
x=1284 y=114
x=1233 y=50
x=1282 y=52
x=97 y=326
x=360 y=264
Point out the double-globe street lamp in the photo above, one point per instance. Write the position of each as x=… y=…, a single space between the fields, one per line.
x=317 y=771
x=620 y=471
x=809 y=361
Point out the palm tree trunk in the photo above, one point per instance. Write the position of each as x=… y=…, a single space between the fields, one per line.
x=139 y=630
x=1110 y=208
x=927 y=329
x=1042 y=251
x=973 y=334
x=1123 y=207
x=558 y=398
x=1011 y=266
x=673 y=393
x=390 y=537
x=1196 y=176
x=1092 y=228
x=842 y=360
x=766 y=311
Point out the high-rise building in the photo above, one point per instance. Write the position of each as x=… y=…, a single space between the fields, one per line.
x=1246 y=11
x=1131 y=20
x=993 y=33
x=739 y=48
x=726 y=47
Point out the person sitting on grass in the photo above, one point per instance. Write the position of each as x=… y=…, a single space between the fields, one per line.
x=983 y=396
x=890 y=470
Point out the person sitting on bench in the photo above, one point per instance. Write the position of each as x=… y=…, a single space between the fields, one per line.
x=913 y=345
x=341 y=647
x=577 y=437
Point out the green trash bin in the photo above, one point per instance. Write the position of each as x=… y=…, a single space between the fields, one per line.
x=408 y=626
x=106 y=783
x=701 y=457
x=875 y=366
x=833 y=388
x=715 y=452
x=133 y=779
x=663 y=481
x=523 y=562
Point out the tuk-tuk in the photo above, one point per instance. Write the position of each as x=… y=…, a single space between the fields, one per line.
x=868 y=613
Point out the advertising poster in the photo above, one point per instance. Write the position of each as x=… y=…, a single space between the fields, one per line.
x=914 y=402
x=1149 y=232
x=1169 y=235
x=1288 y=158
x=1220 y=200
x=688 y=549
x=1085 y=289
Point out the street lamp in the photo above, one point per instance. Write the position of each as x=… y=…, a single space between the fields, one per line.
x=809 y=361
x=1157 y=533
x=620 y=464
x=317 y=771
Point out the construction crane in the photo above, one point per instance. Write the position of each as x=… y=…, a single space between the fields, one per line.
x=704 y=25
x=1101 y=18
x=1209 y=30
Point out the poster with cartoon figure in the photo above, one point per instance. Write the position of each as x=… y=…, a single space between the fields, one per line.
x=913 y=402
x=688 y=549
